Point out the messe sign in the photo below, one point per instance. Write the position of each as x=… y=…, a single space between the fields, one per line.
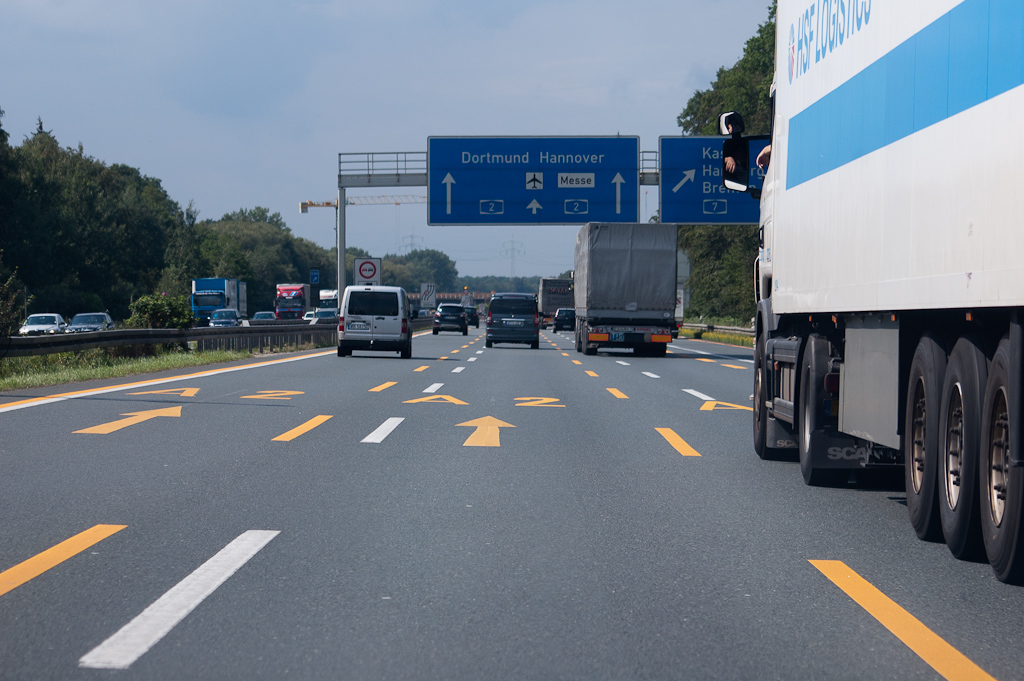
x=366 y=271
x=532 y=180
x=691 y=190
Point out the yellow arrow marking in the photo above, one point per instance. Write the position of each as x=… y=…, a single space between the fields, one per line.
x=942 y=657
x=14 y=577
x=591 y=373
x=422 y=368
x=133 y=418
x=382 y=386
x=677 y=442
x=712 y=406
x=487 y=433
x=436 y=398
x=538 y=402
x=304 y=428
x=272 y=395
x=183 y=392
x=618 y=393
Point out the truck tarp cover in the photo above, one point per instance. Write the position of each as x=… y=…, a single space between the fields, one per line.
x=627 y=267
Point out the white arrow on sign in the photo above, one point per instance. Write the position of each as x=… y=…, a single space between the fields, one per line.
x=688 y=176
x=534 y=206
x=448 y=182
x=617 y=181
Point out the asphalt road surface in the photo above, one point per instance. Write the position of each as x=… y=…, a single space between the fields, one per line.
x=471 y=513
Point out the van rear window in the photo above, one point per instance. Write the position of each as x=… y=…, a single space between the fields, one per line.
x=377 y=303
x=513 y=306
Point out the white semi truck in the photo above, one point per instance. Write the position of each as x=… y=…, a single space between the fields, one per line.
x=890 y=277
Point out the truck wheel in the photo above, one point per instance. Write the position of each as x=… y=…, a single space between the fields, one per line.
x=813 y=367
x=589 y=349
x=579 y=342
x=1002 y=483
x=959 y=440
x=761 y=448
x=921 y=440
x=659 y=349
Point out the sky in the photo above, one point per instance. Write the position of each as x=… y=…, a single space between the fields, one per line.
x=235 y=104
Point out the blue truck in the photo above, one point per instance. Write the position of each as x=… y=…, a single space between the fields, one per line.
x=216 y=293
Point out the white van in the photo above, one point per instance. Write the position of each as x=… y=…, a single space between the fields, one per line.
x=375 y=318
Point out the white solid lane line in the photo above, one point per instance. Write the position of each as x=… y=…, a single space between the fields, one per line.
x=383 y=430
x=698 y=395
x=132 y=640
x=433 y=388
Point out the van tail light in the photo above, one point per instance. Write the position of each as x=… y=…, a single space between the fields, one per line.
x=536 y=319
x=489 y=319
x=405 y=325
x=341 y=323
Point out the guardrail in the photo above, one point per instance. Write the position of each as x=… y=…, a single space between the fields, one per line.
x=255 y=337
x=742 y=330
x=259 y=335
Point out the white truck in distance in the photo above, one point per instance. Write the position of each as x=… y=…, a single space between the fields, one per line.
x=890 y=277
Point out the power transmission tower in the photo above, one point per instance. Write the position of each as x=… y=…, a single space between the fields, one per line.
x=412 y=239
x=512 y=249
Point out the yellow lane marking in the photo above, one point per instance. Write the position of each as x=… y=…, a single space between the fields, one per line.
x=712 y=405
x=618 y=393
x=384 y=386
x=733 y=366
x=454 y=352
x=272 y=395
x=591 y=373
x=14 y=577
x=704 y=359
x=677 y=442
x=942 y=657
x=565 y=354
x=133 y=418
x=442 y=358
x=304 y=428
x=182 y=392
x=464 y=347
x=538 y=402
x=487 y=433
x=436 y=398
x=171 y=379
x=576 y=361
x=422 y=368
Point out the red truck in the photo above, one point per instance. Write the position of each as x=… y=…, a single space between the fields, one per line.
x=292 y=301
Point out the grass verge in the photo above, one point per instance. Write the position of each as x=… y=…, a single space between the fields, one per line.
x=71 y=367
x=718 y=337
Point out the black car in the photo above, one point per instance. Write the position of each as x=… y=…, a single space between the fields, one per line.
x=565 y=318
x=472 y=316
x=450 y=317
x=90 y=321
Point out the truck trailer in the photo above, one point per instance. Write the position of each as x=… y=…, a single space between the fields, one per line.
x=553 y=294
x=890 y=275
x=624 y=287
x=216 y=293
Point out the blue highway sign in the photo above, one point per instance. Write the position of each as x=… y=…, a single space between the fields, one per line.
x=532 y=180
x=691 y=190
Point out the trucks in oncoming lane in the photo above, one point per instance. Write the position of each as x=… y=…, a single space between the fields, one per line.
x=890 y=276
x=292 y=301
x=624 y=287
x=216 y=293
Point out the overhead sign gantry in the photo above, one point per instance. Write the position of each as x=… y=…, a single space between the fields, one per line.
x=532 y=180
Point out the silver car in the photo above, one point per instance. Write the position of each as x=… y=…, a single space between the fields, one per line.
x=42 y=324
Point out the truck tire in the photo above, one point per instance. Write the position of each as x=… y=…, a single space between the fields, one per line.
x=761 y=447
x=659 y=349
x=589 y=349
x=811 y=436
x=579 y=341
x=959 y=441
x=1002 y=484
x=921 y=440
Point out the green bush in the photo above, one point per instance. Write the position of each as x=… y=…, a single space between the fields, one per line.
x=160 y=312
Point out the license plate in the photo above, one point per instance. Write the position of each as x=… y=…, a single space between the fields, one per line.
x=358 y=326
x=617 y=336
x=513 y=322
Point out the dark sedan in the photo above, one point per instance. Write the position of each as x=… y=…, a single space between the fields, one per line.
x=450 y=317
